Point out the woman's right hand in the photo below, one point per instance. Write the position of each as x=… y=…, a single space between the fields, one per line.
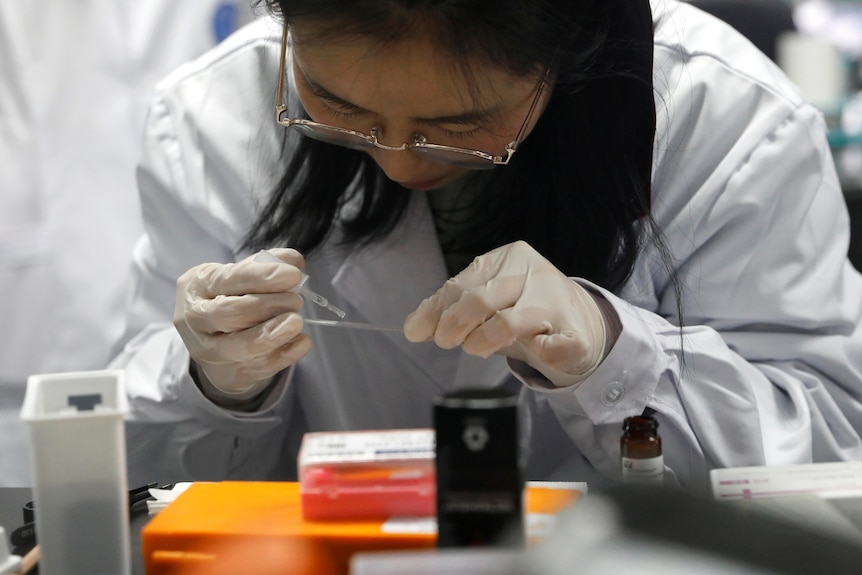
x=240 y=322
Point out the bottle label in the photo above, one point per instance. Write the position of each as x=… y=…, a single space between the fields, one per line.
x=649 y=471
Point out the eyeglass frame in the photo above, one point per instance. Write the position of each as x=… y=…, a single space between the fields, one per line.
x=419 y=141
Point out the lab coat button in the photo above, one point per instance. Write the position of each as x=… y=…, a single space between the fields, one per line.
x=613 y=394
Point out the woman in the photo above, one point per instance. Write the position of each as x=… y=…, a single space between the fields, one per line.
x=652 y=208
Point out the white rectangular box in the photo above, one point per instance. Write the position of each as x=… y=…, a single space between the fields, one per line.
x=781 y=481
x=822 y=496
x=78 y=453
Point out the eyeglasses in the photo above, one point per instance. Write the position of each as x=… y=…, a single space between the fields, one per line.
x=462 y=157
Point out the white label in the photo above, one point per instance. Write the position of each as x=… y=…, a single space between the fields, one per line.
x=648 y=470
x=366 y=446
x=779 y=480
x=412 y=525
x=537 y=525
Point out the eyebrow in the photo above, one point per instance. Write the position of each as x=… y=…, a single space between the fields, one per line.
x=470 y=117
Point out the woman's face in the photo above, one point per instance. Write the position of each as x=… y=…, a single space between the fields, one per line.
x=409 y=88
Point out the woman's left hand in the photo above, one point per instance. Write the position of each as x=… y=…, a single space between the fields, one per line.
x=512 y=301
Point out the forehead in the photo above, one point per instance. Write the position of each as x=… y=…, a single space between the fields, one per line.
x=403 y=76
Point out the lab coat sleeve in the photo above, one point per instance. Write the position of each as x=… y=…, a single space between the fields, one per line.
x=173 y=432
x=767 y=369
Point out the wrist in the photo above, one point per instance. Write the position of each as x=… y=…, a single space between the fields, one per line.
x=612 y=325
x=606 y=330
x=246 y=399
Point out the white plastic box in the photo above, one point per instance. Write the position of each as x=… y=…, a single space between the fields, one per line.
x=78 y=453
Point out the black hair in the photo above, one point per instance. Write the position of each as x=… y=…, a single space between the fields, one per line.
x=578 y=189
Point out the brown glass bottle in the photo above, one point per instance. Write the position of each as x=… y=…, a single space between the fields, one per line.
x=640 y=451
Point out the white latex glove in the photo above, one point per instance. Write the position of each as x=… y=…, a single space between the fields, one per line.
x=240 y=322
x=513 y=302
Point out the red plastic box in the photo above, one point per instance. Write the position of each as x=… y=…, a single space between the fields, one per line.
x=367 y=474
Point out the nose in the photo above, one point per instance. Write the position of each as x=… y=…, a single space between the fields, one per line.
x=399 y=166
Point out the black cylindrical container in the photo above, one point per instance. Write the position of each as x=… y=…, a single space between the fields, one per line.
x=479 y=478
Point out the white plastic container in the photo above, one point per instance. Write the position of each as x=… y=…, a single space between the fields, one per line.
x=78 y=460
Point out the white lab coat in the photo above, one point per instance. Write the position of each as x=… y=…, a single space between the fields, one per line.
x=751 y=209
x=75 y=82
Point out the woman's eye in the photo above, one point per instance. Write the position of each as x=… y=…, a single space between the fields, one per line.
x=461 y=134
x=340 y=112
x=460 y=131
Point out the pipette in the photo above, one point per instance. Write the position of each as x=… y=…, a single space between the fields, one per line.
x=353 y=325
x=301 y=288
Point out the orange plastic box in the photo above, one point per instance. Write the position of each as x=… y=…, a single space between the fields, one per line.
x=257 y=527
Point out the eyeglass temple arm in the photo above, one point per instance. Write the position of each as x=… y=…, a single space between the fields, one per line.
x=532 y=109
x=279 y=96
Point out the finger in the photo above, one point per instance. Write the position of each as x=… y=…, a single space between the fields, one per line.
x=254 y=342
x=527 y=293
x=475 y=307
x=490 y=265
x=264 y=367
x=506 y=327
x=569 y=352
x=227 y=314
x=286 y=255
x=421 y=325
x=210 y=280
x=492 y=293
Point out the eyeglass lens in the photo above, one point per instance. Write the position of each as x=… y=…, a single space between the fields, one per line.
x=331 y=136
x=356 y=142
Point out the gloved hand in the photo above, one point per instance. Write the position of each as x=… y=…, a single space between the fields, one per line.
x=512 y=301
x=240 y=322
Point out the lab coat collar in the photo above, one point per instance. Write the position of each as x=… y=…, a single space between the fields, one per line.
x=387 y=280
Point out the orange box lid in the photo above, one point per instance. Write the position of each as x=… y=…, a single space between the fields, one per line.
x=257 y=527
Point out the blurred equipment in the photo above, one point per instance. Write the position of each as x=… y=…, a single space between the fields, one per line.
x=664 y=531
x=839 y=22
x=761 y=21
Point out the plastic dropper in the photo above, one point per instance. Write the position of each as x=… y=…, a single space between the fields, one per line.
x=301 y=288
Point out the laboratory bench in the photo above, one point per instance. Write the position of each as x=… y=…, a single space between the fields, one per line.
x=752 y=539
